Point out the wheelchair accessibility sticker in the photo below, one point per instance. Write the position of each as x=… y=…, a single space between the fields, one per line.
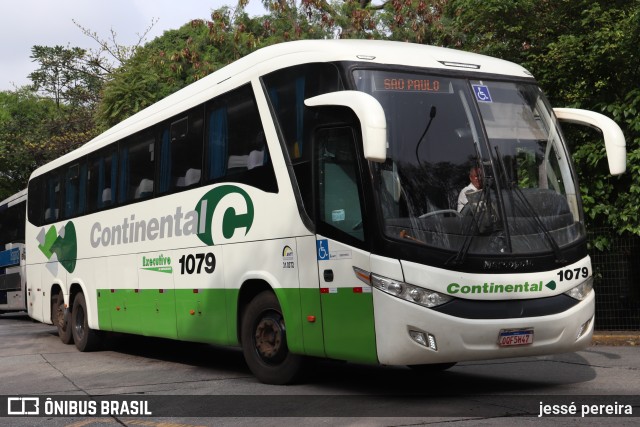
x=323 y=249
x=482 y=93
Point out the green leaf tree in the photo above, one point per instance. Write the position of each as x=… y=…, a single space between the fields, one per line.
x=65 y=75
x=33 y=131
x=180 y=57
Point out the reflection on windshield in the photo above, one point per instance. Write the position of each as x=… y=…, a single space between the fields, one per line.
x=472 y=166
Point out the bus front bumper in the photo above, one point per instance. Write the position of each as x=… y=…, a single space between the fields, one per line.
x=455 y=339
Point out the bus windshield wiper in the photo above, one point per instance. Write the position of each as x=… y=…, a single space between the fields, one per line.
x=477 y=218
x=536 y=219
x=515 y=188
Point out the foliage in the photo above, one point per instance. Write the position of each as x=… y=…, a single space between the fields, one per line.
x=505 y=29
x=34 y=131
x=416 y=21
x=110 y=54
x=21 y=113
x=180 y=57
x=596 y=70
x=65 y=75
x=132 y=87
x=52 y=116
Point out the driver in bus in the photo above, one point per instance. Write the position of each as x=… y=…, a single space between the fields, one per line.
x=475 y=176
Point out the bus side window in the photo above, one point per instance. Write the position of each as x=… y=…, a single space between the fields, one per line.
x=181 y=152
x=75 y=190
x=102 y=177
x=136 y=173
x=11 y=225
x=52 y=197
x=236 y=148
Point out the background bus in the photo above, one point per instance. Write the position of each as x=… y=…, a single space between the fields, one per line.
x=12 y=253
x=302 y=201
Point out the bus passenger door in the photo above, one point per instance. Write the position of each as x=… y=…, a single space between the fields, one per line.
x=347 y=302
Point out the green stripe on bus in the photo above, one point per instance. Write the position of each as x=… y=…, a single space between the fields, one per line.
x=185 y=314
x=342 y=328
x=349 y=327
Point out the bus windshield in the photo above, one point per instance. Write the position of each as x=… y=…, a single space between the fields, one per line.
x=472 y=166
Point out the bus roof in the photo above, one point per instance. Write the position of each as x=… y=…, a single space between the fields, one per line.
x=283 y=55
x=20 y=196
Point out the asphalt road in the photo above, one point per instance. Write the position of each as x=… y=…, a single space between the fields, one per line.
x=186 y=385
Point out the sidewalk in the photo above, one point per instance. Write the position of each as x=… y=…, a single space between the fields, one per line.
x=627 y=338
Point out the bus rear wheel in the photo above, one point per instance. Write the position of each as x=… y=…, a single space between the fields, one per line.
x=264 y=342
x=85 y=338
x=62 y=323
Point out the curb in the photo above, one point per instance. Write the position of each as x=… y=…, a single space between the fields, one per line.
x=612 y=338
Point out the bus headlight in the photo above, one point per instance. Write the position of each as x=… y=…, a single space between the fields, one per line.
x=415 y=294
x=582 y=290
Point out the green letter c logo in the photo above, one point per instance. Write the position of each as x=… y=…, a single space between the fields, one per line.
x=230 y=220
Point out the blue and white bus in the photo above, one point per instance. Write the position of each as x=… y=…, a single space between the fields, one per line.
x=12 y=253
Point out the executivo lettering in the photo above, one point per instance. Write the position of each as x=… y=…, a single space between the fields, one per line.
x=195 y=222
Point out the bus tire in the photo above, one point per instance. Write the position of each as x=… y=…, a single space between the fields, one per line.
x=85 y=338
x=58 y=317
x=264 y=342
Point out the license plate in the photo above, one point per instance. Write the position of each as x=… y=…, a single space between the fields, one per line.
x=511 y=337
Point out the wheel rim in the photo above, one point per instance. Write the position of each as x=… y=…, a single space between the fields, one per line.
x=59 y=316
x=269 y=338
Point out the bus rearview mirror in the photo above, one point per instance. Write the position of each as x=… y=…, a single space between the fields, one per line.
x=370 y=113
x=613 y=137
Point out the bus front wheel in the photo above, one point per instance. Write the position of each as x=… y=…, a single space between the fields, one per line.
x=61 y=321
x=264 y=341
x=85 y=338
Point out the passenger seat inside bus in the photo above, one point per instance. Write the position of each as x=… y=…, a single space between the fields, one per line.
x=51 y=214
x=145 y=189
x=191 y=177
x=255 y=159
x=106 y=196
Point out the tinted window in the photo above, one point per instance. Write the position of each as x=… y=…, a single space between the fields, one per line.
x=236 y=148
x=181 y=152
x=75 y=190
x=136 y=173
x=102 y=178
x=52 y=197
x=12 y=224
x=287 y=89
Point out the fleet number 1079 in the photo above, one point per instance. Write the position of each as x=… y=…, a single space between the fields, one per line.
x=194 y=263
x=575 y=273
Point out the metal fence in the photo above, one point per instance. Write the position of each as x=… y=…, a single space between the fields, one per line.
x=617 y=282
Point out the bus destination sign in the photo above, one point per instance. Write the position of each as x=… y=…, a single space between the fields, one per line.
x=411 y=84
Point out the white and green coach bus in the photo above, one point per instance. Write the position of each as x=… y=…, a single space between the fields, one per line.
x=302 y=201
x=13 y=211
